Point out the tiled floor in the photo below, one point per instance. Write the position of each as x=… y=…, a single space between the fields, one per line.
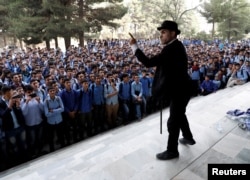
x=128 y=152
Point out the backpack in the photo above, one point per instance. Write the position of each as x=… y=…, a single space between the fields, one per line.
x=248 y=76
x=93 y=89
x=57 y=99
x=121 y=88
x=43 y=92
x=80 y=97
x=245 y=125
x=77 y=86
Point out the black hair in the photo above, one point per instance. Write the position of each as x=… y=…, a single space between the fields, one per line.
x=66 y=80
x=34 y=79
x=28 y=88
x=50 y=87
x=5 y=89
x=84 y=80
x=47 y=76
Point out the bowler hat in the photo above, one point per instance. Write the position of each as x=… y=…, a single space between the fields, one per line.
x=170 y=25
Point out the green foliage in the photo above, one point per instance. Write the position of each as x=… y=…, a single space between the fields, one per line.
x=148 y=14
x=35 y=21
x=213 y=11
x=230 y=17
x=233 y=27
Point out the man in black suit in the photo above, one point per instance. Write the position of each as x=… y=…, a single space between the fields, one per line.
x=172 y=83
x=13 y=124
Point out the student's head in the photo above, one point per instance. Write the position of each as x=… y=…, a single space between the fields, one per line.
x=207 y=78
x=136 y=78
x=92 y=77
x=48 y=79
x=80 y=76
x=85 y=84
x=19 y=91
x=51 y=91
x=109 y=77
x=7 y=73
x=125 y=77
x=7 y=92
x=35 y=84
x=67 y=83
x=144 y=72
x=98 y=79
x=28 y=89
x=61 y=70
x=69 y=71
x=15 y=77
x=54 y=84
x=39 y=74
x=237 y=66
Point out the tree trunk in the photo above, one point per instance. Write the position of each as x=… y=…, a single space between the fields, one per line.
x=67 y=42
x=229 y=31
x=81 y=38
x=47 y=44
x=81 y=33
x=56 y=42
x=213 y=24
x=4 y=40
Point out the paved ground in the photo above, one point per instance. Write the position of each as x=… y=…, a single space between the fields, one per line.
x=128 y=152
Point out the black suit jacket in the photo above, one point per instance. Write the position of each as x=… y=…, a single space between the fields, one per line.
x=7 y=120
x=171 y=76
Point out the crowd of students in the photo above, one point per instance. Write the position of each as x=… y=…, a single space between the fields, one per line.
x=51 y=99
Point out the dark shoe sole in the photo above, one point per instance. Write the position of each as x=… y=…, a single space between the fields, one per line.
x=185 y=141
x=167 y=155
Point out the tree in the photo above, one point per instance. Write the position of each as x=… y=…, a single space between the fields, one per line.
x=24 y=19
x=152 y=13
x=213 y=11
x=73 y=18
x=59 y=21
x=3 y=19
x=94 y=15
x=235 y=21
x=35 y=21
x=229 y=15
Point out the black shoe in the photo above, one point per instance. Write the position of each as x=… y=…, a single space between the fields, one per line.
x=187 y=141
x=166 y=155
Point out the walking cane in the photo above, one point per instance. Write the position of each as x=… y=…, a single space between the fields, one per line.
x=160 y=117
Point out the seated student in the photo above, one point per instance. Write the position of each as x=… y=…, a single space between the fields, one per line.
x=238 y=76
x=207 y=86
x=221 y=76
x=217 y=82
x=195 y=76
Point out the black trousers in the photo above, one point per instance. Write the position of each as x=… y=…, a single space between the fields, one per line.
x=178 y=120
x=58 y=130
x=98 y=117
x=85 y=124
x=70 y=127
